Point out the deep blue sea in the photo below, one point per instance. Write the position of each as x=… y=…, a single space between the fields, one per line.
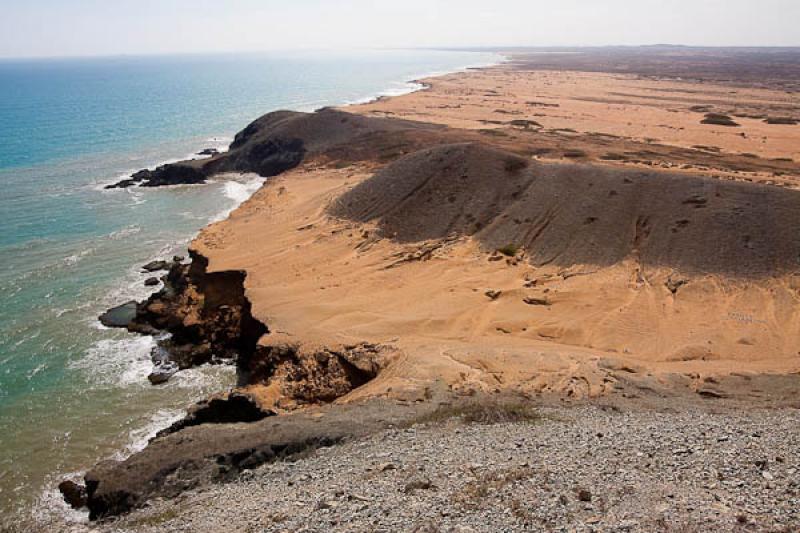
x=72 y=392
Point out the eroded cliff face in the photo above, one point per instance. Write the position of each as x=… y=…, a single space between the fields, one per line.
x=206 y=314
x=209 y=320
x=284 y=375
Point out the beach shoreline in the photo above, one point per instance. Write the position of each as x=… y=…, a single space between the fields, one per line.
x=102 y=354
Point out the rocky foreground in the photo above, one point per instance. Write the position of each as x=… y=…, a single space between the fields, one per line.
x=591 y=468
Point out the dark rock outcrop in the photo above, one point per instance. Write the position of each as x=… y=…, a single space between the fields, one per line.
x=162 y=372
x=232 y=408
x=187 y=172
x=120 y=316
x=207 y=315
x=203 y=453
x=281 y=140
x=154 y=266
x=74 y=494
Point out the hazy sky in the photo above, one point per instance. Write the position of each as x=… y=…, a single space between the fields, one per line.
x=107 y=27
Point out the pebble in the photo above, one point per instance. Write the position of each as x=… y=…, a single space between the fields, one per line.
x=651 y=471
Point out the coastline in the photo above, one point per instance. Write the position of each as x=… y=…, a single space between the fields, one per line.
x=268 y=300
x=132 y=288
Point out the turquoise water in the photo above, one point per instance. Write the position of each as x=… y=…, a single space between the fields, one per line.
x=72 y=392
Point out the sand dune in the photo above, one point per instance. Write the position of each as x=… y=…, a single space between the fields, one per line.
x=340 y=256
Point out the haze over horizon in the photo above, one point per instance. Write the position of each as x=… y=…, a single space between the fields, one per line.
x=95 y=28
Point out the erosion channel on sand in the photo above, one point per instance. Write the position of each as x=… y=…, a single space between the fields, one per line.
x=502 y=236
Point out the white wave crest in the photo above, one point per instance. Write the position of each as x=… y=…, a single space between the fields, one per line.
x=239 y=190
x=118 y=362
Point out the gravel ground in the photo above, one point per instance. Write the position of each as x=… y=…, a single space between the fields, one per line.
x=575 y=469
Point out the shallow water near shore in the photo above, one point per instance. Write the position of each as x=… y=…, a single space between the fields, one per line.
x=72 y=392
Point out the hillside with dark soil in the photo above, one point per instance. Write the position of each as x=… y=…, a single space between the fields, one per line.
x=569 y=214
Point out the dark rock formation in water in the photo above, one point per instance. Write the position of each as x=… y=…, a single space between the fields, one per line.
x=73 y=493
x=280 y=141
x=154 y=266
x=186 y=172
x=206 y=314
x=120 y=316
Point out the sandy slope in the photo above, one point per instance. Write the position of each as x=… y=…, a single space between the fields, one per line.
x=318 y=279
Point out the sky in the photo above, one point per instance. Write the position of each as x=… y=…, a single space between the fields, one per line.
x=41 y=28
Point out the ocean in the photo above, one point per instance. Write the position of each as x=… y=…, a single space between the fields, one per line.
x=72 y=392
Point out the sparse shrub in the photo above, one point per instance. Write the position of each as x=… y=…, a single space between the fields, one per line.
x=718 y=119
x=704 y=148
x=495 y=133
x=786 y=121
x=473 y=493
x=514 y=164
x=613 y=157
x=509 y=250
x=486 y=412
x=524 y=123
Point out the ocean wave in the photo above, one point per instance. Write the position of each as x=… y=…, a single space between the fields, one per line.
x=239 y=190
x=73 y=259
x=127 y=231
x=139 y=437
x=51 y=507
x=58 y=313
x=118 y=362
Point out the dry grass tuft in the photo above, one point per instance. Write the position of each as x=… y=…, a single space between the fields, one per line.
x=473 y=493
x=482 y=412
x=509 y=250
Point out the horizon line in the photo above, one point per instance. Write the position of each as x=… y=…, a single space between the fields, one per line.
x=483 y=48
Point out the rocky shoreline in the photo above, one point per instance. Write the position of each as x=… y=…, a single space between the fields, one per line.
x=197 y=318
x=202 y=318
x=249 y=152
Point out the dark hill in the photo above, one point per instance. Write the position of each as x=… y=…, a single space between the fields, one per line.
x=281 y=140
x=580 y=214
